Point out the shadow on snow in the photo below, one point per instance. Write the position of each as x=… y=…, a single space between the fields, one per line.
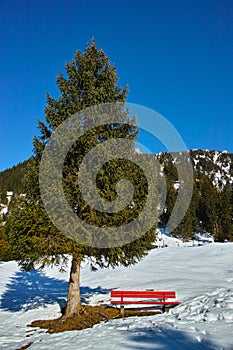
x=31 y=290
x=164 y=338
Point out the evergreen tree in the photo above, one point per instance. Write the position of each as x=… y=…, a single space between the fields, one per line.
x=170 y=176
x=225 y=213
x=208 y=209
x=91 y=80
x=5 y=248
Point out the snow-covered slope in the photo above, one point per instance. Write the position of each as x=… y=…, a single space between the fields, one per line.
x=215 y=165
x=201 y=276
x=218 y=166
x=165 y=239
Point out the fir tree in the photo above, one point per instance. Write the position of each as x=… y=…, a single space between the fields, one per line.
x=5 y=248
x=208 y=209
x=225 y=213
x=91 y=80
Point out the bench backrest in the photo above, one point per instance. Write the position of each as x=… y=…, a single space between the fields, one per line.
x=142 y=294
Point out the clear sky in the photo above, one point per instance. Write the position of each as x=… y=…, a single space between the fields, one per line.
x=175 y=55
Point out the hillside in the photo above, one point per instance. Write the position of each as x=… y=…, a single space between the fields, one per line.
x=215 y=165
x=12 y=180
x=211 y=208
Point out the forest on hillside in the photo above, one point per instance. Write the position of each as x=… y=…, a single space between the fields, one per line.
x=211 y=207
x=12 y=180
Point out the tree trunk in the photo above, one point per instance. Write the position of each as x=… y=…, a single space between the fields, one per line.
x=74 y=305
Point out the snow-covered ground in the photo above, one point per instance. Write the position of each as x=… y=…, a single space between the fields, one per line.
x=165 y=239
x=201 y=276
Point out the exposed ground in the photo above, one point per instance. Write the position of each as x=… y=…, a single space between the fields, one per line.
x=87 y=318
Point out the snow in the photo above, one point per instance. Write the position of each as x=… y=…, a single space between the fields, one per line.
x=137 y=150
x=176 y=185
x=204 y=237
x=9 y=193
x=3 y=209
x=201 y=276
x=164 y=239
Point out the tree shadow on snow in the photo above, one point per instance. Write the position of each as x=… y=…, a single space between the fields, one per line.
x=162 y=338
x=87 y=292
x=30 y=290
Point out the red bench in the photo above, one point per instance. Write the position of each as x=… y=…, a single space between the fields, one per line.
x=125 y=297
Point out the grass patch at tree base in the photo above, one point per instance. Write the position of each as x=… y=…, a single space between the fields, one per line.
x=87 y=318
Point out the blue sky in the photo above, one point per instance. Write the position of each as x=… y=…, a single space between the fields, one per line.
x=175 y=55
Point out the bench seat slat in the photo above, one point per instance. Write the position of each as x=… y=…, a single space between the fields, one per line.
x=145 y=302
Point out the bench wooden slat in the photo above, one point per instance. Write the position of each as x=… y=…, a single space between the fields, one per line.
x=143 y=294
x=145 y=302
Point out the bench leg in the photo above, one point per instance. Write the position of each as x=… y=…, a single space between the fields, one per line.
x=164 y=308
x=122 y=311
